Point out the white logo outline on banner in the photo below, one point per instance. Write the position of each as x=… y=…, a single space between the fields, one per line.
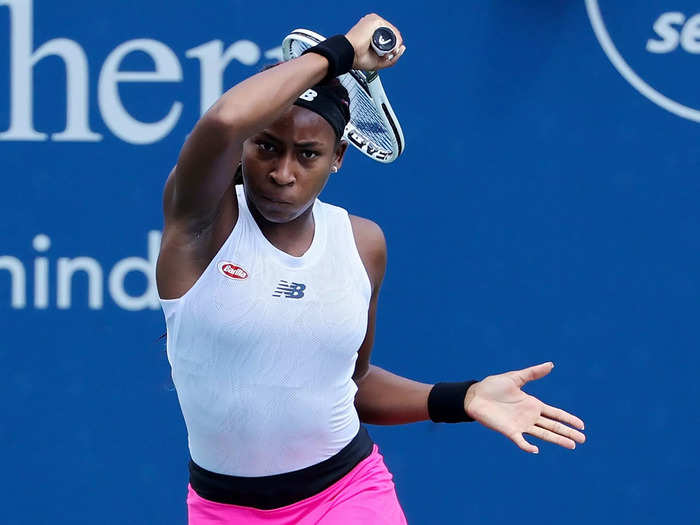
x=628 y=73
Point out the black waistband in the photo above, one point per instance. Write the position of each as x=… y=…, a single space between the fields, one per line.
x=271 y=492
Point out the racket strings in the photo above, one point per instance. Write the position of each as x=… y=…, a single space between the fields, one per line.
x=364 y=115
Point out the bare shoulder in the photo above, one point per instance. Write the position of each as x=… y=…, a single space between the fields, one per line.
x=371 y=245
x=368 y=234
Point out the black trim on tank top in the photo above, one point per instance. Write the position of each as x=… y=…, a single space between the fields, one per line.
x=280 y=490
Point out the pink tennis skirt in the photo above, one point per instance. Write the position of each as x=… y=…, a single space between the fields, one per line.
x=366 y=494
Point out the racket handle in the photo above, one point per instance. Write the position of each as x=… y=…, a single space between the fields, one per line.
x=383 y=41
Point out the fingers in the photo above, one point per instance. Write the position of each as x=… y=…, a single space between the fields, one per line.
x=532 y=373
x=547 y=435
x=556 y=432
x=551 y=431
x=391 y=58
x=399 y=38
x=519 y=440
x=561 y=429
x=560 y=415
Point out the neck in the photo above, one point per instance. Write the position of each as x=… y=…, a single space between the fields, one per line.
x=293 y=237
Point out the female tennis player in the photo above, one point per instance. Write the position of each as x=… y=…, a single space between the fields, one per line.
x=270 y=298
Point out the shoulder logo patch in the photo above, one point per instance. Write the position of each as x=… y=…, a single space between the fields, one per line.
x=232 y=271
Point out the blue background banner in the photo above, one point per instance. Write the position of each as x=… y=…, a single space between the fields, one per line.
x=546 y=208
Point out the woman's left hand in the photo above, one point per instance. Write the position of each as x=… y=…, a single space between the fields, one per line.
x=498 y=403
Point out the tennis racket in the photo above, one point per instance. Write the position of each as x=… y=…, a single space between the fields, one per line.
x=373 y=127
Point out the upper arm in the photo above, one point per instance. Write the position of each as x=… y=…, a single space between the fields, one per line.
x=371 y=246
x=205 y=168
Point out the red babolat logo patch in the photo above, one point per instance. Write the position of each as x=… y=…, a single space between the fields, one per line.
x=232 y=271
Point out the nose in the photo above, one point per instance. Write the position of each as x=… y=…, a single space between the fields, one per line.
x=283 y=173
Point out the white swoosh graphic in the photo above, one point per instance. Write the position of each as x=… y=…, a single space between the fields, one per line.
x=628 y=73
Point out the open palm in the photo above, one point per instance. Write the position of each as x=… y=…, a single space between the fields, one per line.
x=498 y=403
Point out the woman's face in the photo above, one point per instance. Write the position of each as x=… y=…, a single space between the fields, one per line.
x=286 y=165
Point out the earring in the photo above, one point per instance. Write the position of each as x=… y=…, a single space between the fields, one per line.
x=334 y=169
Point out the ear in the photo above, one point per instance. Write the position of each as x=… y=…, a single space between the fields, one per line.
x=339 y=154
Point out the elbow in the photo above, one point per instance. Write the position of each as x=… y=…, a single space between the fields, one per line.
x=219 y=123
x=230 y=119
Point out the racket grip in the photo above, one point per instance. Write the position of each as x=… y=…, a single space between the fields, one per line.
x=383 y=41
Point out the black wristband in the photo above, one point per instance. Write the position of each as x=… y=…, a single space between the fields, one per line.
x=338 y=51
x=446 y=402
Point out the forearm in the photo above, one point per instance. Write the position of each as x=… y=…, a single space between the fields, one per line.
x=254 y=103
x=384 y=398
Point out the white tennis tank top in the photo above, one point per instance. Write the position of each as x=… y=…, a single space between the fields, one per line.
x=263 y=348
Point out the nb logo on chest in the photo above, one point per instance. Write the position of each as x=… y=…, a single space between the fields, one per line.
x=289 y=290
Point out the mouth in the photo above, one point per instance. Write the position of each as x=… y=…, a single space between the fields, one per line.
x=274 y=200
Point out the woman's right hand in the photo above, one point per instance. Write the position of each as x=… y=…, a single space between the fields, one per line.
x=360 y=36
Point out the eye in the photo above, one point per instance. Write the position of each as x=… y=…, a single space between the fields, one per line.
x=267 y=147
x=308 y=154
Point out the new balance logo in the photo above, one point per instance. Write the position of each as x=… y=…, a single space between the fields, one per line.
x=309 y=95
x=289 y=290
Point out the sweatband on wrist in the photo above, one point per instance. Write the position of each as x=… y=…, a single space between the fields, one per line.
x=446 y=402
x=338 y=51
